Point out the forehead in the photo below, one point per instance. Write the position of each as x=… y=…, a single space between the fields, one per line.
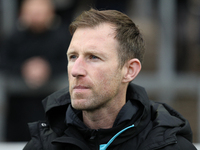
x=102 y=35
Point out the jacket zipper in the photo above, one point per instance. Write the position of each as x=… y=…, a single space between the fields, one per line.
x=105 y=146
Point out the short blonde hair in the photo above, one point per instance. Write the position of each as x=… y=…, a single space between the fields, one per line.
x=131 y=43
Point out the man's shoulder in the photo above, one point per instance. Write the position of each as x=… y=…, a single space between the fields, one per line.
x=39 y=128
x=41 y=136
x=184 y=144
x=171 y=126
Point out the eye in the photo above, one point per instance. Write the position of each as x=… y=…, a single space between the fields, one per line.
x=72 y=57
x=93 y=57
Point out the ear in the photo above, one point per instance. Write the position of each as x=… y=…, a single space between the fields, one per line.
x=131 y=70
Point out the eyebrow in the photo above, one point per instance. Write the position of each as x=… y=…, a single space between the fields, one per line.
x=90 y=50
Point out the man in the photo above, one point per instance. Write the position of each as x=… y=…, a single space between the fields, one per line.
x=102 y=109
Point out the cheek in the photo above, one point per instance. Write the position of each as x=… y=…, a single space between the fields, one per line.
x=101 y=76
x=68 y=68
x=69 y=72
x=106 y=78
x=70 y=79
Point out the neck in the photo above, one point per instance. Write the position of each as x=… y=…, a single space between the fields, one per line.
x=103 y=118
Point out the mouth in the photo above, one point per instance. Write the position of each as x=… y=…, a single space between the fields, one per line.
x=80 y=88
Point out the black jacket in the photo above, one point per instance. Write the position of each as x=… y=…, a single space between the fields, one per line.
x=140 y=125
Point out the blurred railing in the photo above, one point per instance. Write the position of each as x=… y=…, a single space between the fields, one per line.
x=14 y=85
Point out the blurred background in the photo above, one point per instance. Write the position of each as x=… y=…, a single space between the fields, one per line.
x=34 y=39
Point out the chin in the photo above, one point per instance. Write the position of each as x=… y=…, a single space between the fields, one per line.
x=78 y=104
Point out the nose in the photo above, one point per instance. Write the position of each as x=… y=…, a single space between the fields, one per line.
x=78 y=68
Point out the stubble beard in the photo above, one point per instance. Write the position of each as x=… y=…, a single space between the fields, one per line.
x=96 y=99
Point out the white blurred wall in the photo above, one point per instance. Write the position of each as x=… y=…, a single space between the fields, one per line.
x=20 y=145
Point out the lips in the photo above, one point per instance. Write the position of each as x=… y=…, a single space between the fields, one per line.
x=80 y=87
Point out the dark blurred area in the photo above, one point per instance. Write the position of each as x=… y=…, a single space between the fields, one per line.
x=34 y=38
x=34 y=55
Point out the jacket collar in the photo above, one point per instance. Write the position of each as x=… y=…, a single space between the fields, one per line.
x=152 y=116
x=62 y=97
x=57 y=103
x=74 y=117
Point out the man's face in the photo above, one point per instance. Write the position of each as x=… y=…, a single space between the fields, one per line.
x=95 y=77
